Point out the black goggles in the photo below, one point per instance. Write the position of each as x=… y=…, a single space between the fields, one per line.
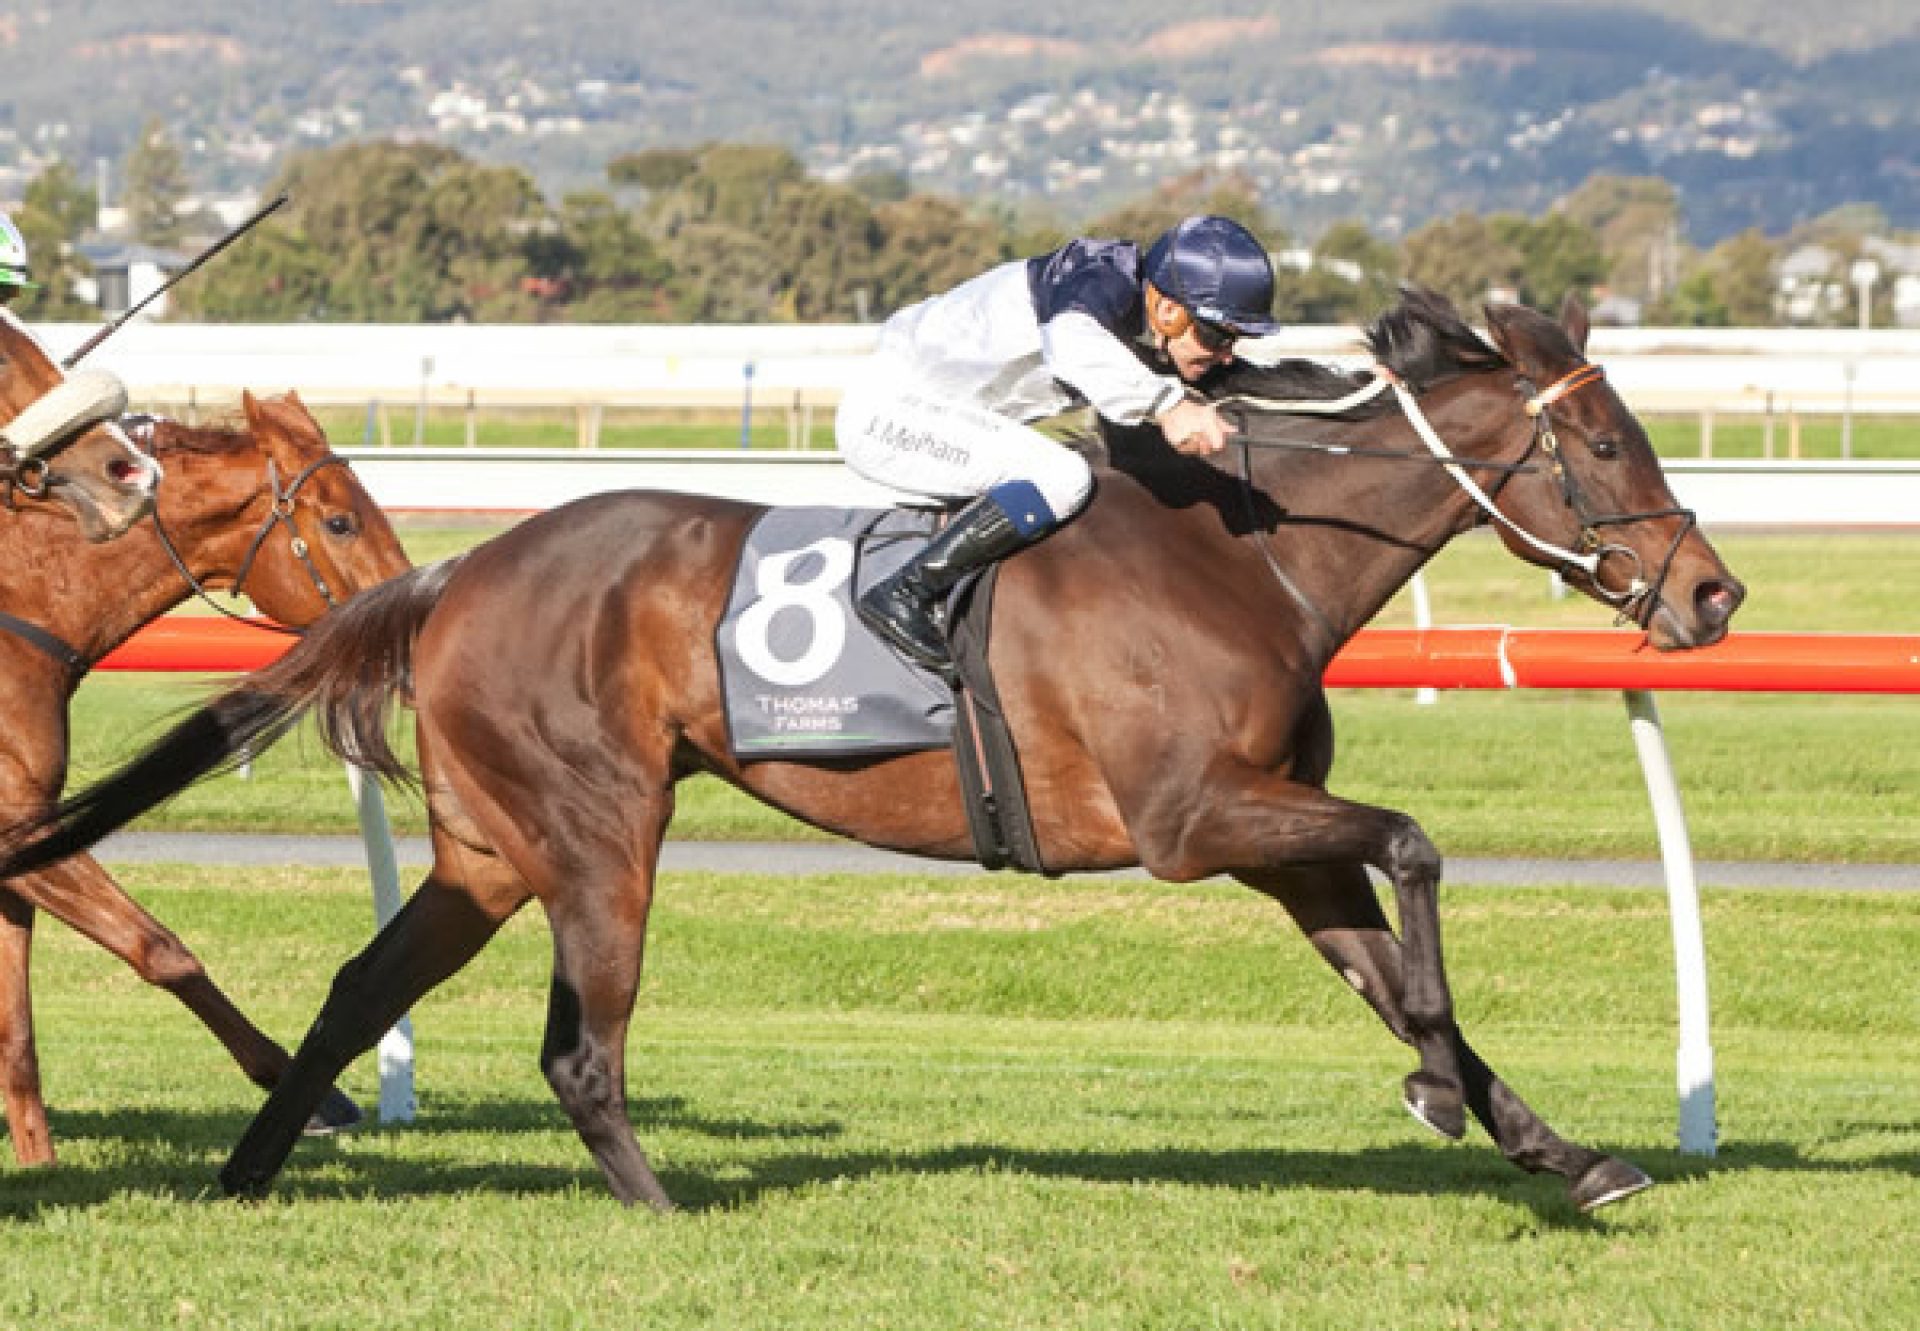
x=1214 y=338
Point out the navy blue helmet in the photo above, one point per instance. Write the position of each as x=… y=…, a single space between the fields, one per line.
x=1215 y=269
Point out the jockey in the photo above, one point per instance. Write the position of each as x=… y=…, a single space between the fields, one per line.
x=945 y=408
x=79 y=400
x=13 y=261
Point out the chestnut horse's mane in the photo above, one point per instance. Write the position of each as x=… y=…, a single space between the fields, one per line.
x=165 y=435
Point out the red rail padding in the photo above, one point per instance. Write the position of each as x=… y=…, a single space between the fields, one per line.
x=202 y=646
x=1444 y=658
x=1471 y=658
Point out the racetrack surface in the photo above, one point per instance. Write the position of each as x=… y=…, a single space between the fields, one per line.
x=815 y=857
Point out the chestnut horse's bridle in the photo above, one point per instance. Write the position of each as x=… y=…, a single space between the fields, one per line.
x=279 y=513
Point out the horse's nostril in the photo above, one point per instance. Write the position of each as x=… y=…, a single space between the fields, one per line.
x=1718 y=600
x=127 y=471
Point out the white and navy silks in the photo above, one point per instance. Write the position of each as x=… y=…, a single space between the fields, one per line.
x=943 y=408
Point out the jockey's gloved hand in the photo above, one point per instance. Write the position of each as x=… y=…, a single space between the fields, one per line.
x=1194 y=427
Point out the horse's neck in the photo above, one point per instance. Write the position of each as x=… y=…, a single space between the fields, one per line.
x=1349 y=532
x=94 y=597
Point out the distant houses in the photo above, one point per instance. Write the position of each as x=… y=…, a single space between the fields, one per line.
x=125 y=273
x=1817 y=285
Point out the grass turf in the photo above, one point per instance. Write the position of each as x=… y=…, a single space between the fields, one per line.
x=997 y=1102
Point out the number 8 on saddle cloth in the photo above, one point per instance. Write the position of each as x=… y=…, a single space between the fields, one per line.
x=803 y=678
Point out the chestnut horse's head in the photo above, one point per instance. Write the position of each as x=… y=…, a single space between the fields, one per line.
x=93 y=471
x=1600 y=492
x=273 y=512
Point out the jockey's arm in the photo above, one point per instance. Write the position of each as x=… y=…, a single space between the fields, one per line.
x=1091 y=360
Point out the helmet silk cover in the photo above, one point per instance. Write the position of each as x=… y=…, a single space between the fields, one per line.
x=13 y=255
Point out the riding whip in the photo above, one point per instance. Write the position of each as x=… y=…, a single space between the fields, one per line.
x=109 y=330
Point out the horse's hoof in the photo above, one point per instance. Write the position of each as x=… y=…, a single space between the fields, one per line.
x=1610 y=1180
x=242 y=1186
x=1436 y=1104
x=336 y=1113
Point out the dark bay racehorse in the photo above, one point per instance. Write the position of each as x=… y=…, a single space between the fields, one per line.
x=564 y=680
x=96 y=478
x=234 y=503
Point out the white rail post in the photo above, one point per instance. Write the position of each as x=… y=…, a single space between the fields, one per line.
x=1423 y=619
x=1694 y=1059
x=383 y=867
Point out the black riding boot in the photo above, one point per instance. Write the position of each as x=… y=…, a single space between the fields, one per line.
x=908 y=608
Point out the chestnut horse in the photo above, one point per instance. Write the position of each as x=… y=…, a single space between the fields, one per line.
x=234 y=504
x=564 y=680
x=96 y=478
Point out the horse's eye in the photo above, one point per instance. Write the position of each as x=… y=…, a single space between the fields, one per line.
x=342 y=524
x=1604 y=446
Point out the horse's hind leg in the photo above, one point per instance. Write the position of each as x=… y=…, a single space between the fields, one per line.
x=1337 y=909
x=19 y=1059
x=598 y=938
x=83 y=895
x=437 y=932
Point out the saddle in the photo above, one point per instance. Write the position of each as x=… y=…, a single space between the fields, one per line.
x=803 y=678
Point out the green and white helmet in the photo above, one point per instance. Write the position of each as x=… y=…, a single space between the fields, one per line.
x=13 y=255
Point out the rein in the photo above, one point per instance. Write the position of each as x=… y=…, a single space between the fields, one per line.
x=1635 y=604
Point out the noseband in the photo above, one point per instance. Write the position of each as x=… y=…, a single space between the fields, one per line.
x=1637 y=603
x=33 y=475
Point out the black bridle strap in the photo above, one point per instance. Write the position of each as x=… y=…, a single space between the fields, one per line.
x=1642 y=598
x=280 y=511
x=68 y=659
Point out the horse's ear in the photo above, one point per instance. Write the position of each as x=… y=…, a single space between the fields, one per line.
x=1573 y=318
x=1500 y=329
x=263 y=422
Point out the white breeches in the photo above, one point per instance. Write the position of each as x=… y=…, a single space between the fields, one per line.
x=927 y=443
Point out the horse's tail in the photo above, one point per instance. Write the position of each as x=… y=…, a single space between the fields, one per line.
x=350 y=669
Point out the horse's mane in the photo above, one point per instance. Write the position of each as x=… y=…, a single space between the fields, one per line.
x=162 y=435
x=1422 y=339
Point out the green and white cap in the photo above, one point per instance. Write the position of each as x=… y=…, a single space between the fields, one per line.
x=13 y=255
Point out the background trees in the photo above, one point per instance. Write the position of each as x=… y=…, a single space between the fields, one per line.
x=57 y=209
x=394 y=231
x=156 y=183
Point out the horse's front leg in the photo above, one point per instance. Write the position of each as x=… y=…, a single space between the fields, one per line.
x=1336 y=908
x=83 y=895
x=19 y=1058
x=1243 y=821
